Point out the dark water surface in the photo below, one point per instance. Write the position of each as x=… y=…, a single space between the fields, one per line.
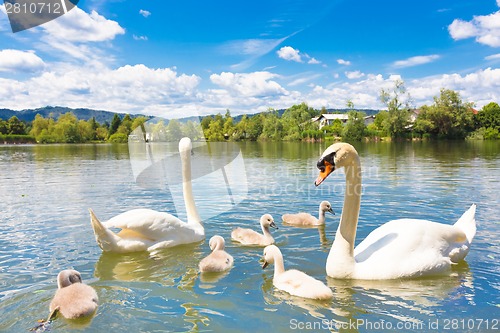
x=45 y=191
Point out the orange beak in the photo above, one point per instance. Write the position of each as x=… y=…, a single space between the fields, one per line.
x=328 y=169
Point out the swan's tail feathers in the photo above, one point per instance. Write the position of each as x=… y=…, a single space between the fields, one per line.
x=105 y=238
x=467 y=223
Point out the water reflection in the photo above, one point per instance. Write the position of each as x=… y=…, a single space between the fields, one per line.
x=275 y=296
x=418 y=297
x=175 y=266
x=323 y=240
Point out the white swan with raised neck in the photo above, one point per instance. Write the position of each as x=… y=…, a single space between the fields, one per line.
x=404 y=248
x=149 y=230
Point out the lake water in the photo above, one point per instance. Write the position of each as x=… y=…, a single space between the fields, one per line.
x=46 y=190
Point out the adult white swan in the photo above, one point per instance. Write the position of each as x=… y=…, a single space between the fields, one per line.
x=146 y=229
x=398 y=249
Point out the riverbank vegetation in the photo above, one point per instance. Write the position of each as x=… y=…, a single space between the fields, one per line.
x=447 y=118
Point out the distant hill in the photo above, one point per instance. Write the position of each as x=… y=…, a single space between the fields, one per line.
x=55 y=111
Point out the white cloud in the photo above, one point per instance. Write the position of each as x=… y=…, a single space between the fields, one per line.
x=354 y=75
x=343 y=62
x=135 y=37
x=145 y=13
x=78 y=26
x=256 y=84
x=78 y=37
x=289 y=53
x=20 y=61
x=485 y=29
x=415 y=61
x=493 y=56
x=314 y=61
x=125 y=89
x=481 y=87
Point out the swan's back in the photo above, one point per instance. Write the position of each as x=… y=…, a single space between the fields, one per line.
x=300 y=219
x=300 y=284
x=75 y=301
x=145 y=229
x=149 y=223
x=250 y=237
x=217 y=261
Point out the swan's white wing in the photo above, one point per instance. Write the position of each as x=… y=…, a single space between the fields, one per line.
x=147 y=223
x=408 y=247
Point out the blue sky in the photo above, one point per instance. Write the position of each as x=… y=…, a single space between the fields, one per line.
x=180 y=58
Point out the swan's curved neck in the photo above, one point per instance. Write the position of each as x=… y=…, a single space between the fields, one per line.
x=219 y=246
x=187 y=189
x=343 y=245
x=279 y=265
x=321 y=216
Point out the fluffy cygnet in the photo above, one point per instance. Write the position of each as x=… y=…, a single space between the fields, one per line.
x=251 y=237
x=219 y=260
x=73 y=298
x=293 y=281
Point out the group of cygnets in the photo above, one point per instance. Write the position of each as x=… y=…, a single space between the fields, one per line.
x=292 y=281
x=74 y=299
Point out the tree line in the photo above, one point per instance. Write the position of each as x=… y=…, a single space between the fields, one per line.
x=447 y=118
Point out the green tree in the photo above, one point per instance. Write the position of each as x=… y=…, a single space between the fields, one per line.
x=85 y=131
x=3 y=127
x=297 y=119
x=192 y=130
x=354 y=129
x=138 y=121
x=15 y=126
x=398 y=109
x=205 y=122
x=228 y=127
x=94 y=125
x=125 y=126
x=115 y=123
x=334 y=129
x=241 y=128
x=254 y=127
x=174 y=131
x=66 y=129
x=489 y=116
x=215 y=130
x=449 y=117
x=272 y=127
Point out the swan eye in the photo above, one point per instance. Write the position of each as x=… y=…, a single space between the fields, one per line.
x=321 y=165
